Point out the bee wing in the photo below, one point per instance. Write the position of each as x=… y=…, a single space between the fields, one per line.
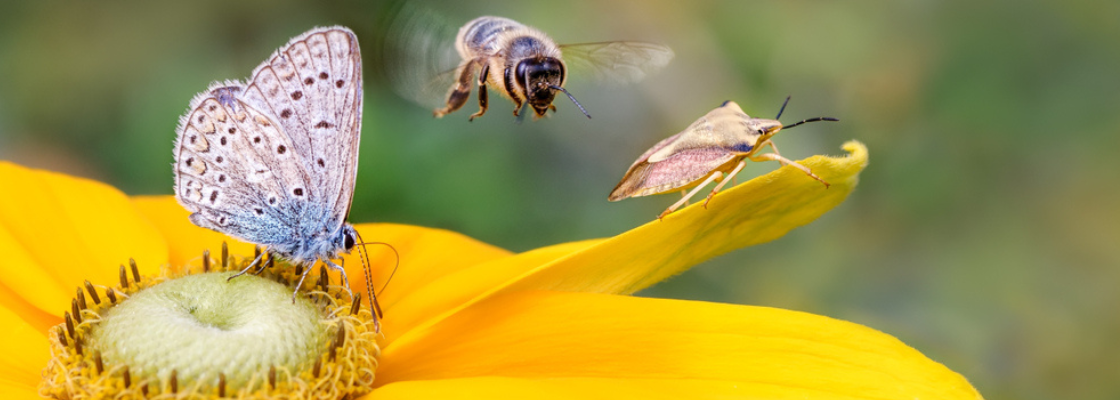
x=417 y=54
x=620 y=62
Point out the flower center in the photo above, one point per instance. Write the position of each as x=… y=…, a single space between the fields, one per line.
x=201 y=335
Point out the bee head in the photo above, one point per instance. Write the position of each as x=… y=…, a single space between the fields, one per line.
x=538 y=76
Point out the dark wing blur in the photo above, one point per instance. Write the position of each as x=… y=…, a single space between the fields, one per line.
x=417 y=54
x=615 y=62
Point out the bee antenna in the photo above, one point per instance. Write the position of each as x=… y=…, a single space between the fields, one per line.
x=573 y=99
x=783 y=108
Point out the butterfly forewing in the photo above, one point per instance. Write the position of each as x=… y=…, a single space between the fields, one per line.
x=289 y=142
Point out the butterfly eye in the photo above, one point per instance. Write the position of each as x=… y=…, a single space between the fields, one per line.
x=348 y=241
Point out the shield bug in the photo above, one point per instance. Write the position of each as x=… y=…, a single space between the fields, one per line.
x=719 y=142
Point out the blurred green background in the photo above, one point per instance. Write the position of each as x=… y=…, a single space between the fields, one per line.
x=984 y=233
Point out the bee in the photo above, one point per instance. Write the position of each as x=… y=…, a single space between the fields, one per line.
x=719 y=142
x=528 y=67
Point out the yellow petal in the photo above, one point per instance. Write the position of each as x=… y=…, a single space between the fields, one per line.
x=758 y=211
x=593 y=388
x=56 y=231
x=426 y=254
x=186 y=242
x=461 y=287
x=25 y=353
x=765 y=352
x=14 y=391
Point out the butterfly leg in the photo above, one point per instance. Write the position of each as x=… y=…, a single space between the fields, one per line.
x=724 y=181
x=342 y=273
x=300 y=284
x=461 y=90
x=786 y=161
x=252 y=265
x=678 y=204
x=483 y=95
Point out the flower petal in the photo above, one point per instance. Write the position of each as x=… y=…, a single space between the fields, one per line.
x=186 y=242
x=426 y=254
x=25 y=353
x=768 y=352
x=11 y=390
x=491 y=387
x=421 y=304
x=60 y=230
x=758 y=211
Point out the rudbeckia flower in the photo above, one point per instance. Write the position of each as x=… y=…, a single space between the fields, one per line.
x=465 y=319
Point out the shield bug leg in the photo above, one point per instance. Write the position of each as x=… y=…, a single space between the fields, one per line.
x=786 y=161
x=774 y=147
x=678 y=204
x=461 y=91
x=724 y=181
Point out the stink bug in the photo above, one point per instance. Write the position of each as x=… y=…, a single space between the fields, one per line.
x=720 y=141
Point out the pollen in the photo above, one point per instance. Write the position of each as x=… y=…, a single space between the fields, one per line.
x=192 y=334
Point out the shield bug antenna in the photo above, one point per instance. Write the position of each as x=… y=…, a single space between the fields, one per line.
x=783 y=109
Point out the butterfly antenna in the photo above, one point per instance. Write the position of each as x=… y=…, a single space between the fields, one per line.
x=375 y=307
x=554 y=87
x=783 y=108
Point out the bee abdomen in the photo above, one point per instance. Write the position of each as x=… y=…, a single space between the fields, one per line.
x=481 y=34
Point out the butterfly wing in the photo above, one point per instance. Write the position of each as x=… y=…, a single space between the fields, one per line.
x=275 y=159
x=617 y=62
x=314 y=85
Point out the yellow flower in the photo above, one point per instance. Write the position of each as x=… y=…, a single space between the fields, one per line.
x=464 y=319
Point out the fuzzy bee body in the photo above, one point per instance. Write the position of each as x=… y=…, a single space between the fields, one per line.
x=522 y=63
x=526 y=66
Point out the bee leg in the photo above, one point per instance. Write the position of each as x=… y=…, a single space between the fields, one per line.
x=482 y=93
x=461 y=91
x=552 y=107
x=724 y=181
x=786 y=161
x=678 y=204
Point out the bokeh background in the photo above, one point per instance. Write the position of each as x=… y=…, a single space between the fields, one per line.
x=984 y=232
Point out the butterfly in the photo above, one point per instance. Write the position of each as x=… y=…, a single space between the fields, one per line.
x=273 y=160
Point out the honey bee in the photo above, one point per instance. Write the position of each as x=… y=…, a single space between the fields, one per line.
x=529 y=68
